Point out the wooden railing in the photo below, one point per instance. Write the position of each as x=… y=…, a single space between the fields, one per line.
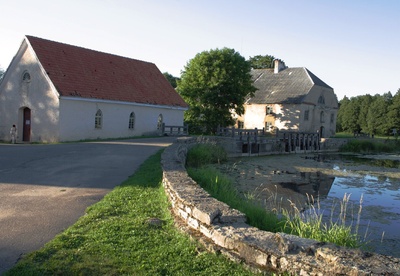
x=240 y=133
x=254 y=140
x=174 y=130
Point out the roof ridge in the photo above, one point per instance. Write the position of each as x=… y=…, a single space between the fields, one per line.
x=81 y=72
x=87 y=49
x=315 y=79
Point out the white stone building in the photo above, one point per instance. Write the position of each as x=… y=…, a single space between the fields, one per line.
x=59 y=92
x=290 y=99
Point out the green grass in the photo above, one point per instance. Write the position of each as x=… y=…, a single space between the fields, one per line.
x=292 y=221
x=113 y=238
x=220 y=186
x=371 y=146
x=202 y=154
x=309 y=224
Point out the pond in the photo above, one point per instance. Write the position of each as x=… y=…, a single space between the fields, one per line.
x=379 y=198
x=295 y=178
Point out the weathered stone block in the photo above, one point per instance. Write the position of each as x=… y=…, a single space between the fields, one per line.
x=192 y=222
x=182 y=214
x=206 y=213
x=206 y=231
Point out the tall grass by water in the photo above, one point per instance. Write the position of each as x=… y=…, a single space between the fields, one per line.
x=294 y=221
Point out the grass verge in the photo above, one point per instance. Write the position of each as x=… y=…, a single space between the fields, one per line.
x=371 y=146
x=114 y=238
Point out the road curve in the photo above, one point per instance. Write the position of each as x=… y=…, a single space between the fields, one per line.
x=45 y=188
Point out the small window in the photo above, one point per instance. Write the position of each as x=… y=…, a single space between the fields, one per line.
x=306 y=115
x=98 y=119
x=268 y=110
x=321 y=100
x=268 y=126
x=159 y=121
x=26 y=77
x=322 y=119
x=240 y=124
x=332 y=118
x=132 y=120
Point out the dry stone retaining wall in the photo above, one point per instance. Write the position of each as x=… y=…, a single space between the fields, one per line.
x=226 y=229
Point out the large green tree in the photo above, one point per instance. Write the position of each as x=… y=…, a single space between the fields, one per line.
x=262 y=62
x=215 y=84
x=171 y=79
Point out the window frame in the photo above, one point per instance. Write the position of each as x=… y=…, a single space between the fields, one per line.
x=269 y=110
x=268 y=126
x=322 y=117
x=160 y=120
x=132 y=120
x=306 y=115
x=26 y=76
x=98 y=119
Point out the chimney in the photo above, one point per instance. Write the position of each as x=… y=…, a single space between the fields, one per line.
x=279 y=65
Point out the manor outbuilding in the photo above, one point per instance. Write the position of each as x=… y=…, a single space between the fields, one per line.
x=291 y=99
x=59 y=92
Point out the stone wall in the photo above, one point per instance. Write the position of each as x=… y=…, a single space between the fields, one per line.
x=225 y=229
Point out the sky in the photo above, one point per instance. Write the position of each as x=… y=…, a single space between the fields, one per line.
x=352 y=45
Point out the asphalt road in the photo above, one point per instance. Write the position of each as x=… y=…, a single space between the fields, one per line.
x=45 y=188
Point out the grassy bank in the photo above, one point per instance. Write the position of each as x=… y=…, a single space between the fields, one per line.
x=305 y=225
x=115 y=238
x=372 y=146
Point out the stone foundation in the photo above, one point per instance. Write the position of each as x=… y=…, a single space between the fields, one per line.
x=225 y=229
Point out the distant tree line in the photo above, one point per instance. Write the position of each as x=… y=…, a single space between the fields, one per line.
x=375 y=115
x=1 y=73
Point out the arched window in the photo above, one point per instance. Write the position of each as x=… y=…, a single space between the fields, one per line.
x=159 y=121
x=26 y=77
x=132 y=120
x=322 y=120
x=332 y=118
x=321 y=100
x=98 y=120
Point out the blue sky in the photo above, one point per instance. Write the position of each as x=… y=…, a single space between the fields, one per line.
x=354 y=46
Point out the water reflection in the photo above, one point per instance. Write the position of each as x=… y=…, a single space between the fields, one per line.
x=380 y=217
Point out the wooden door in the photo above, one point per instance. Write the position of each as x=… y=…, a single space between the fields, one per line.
x=26 y=133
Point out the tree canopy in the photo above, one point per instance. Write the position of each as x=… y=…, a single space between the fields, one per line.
x=262 y=62
x=377 y=114
x=1 y=73
x=215 y=84
x=171 y=79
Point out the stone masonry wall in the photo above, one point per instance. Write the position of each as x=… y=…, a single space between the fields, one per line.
x=226 y=229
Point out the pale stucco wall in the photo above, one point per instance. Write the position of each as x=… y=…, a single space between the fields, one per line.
x=77 y=119
x=329 y=108
x=292 y=116
x=56 y=119
x=282 y=117
x=36 y=94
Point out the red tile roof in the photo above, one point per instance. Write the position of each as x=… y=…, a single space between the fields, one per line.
x=80 y=72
